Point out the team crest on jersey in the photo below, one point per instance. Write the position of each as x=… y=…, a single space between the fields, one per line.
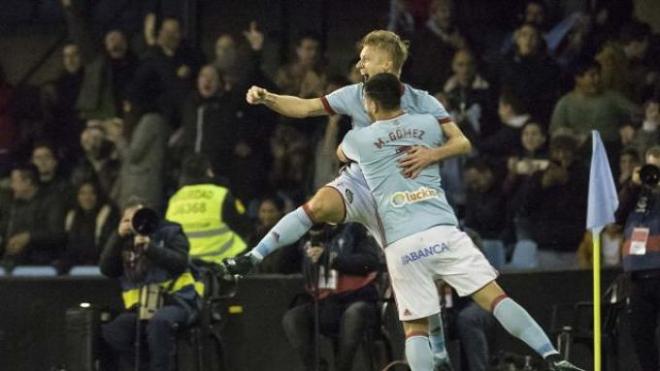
x=349 y=196
x=400 y=199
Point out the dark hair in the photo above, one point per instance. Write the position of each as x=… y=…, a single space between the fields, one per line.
x=632 y=152
x=169 y=18
x=634 y=31
x=134 y=201
x=45 y=144
x=479 y=164
x=308 y=34
x=384 y=89
x=28 y=171
x=195 y=169
x=564 y=142
x=275 y=199
x=508 y=97
x=338 y=80
x=583 y=65
x=101 y=197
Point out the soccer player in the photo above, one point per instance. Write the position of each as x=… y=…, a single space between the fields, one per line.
x=420 y=231
x=347 y=198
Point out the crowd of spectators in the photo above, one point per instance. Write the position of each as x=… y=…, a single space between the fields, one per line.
x=118 y=122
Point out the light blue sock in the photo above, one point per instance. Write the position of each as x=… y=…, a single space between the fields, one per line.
x=520 y=324
x=418 y=353
x=287 y=231
x=437 y=338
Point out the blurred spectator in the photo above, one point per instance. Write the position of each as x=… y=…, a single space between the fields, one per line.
x=646 y=136
x=469 y=96
x=625 y=67
x=97 y=162
x=63 y=121
x=628 y=161
x=643 y=72
x=326 y=163
x=557 y=37
x=551 y=199
x=285 y=260
x=156 y=12
x=52 y=180
x=141 y=141
x=88 y=226
x=271 y=210
x=105 y=87
x=339 y=265
x=209 y=121
x=532 y=158
x=31 y=225
x=290 y=171
x=530 y=73
x=107 y=72
x=166 y=74
x=484 y=201
x=401 y=19
x=506 y=140
x=588 y=107
x=217 y=124
x=7 y=124
x=305 y=76
x=212 y=219
x=432 y=48
x=240 y=68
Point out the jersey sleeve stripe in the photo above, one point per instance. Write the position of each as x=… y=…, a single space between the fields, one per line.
x=445 y=120
x=326 y=106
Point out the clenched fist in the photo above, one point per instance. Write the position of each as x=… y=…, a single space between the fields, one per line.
x=256 y=95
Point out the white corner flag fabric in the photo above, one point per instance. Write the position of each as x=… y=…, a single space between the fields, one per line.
x=603 y=199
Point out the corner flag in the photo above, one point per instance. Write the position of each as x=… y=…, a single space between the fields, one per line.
x=603 y=200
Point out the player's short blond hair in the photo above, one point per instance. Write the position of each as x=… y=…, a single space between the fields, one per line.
x=389 y=42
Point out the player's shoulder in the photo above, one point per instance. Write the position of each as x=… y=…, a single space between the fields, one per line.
x=422 y=117
x=349 y=89
x=414 y=92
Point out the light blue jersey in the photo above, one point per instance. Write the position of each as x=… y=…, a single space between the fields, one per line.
x=405 y=206
x=349 y=101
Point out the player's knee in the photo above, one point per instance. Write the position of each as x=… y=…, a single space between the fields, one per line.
x=325 y=207
x=416 y=327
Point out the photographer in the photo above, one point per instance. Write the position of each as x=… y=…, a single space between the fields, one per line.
x=639 y=209
x=339 y=266
x=150 y=258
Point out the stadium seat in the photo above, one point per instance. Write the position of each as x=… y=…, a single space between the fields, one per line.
x=494 y=252
x=85 y=270
x=525 y=255
x=34 y=271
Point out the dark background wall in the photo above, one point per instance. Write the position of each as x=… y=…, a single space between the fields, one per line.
x=32 y=330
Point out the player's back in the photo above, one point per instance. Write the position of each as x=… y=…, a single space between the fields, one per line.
x=406 y=206
x=349 y=99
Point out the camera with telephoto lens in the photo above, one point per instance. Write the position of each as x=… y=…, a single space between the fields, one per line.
x=145 y=221
x=649 y=175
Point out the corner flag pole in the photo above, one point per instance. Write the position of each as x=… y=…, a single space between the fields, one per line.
x=602 y=204
x=596 y=297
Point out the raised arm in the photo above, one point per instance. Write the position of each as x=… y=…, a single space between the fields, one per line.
x=286 y=105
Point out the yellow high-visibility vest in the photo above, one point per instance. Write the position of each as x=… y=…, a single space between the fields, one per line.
x=185 y=281
x=198 y=208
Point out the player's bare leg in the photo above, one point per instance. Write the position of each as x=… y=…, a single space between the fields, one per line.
x=327 y=206
x=520 y=324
